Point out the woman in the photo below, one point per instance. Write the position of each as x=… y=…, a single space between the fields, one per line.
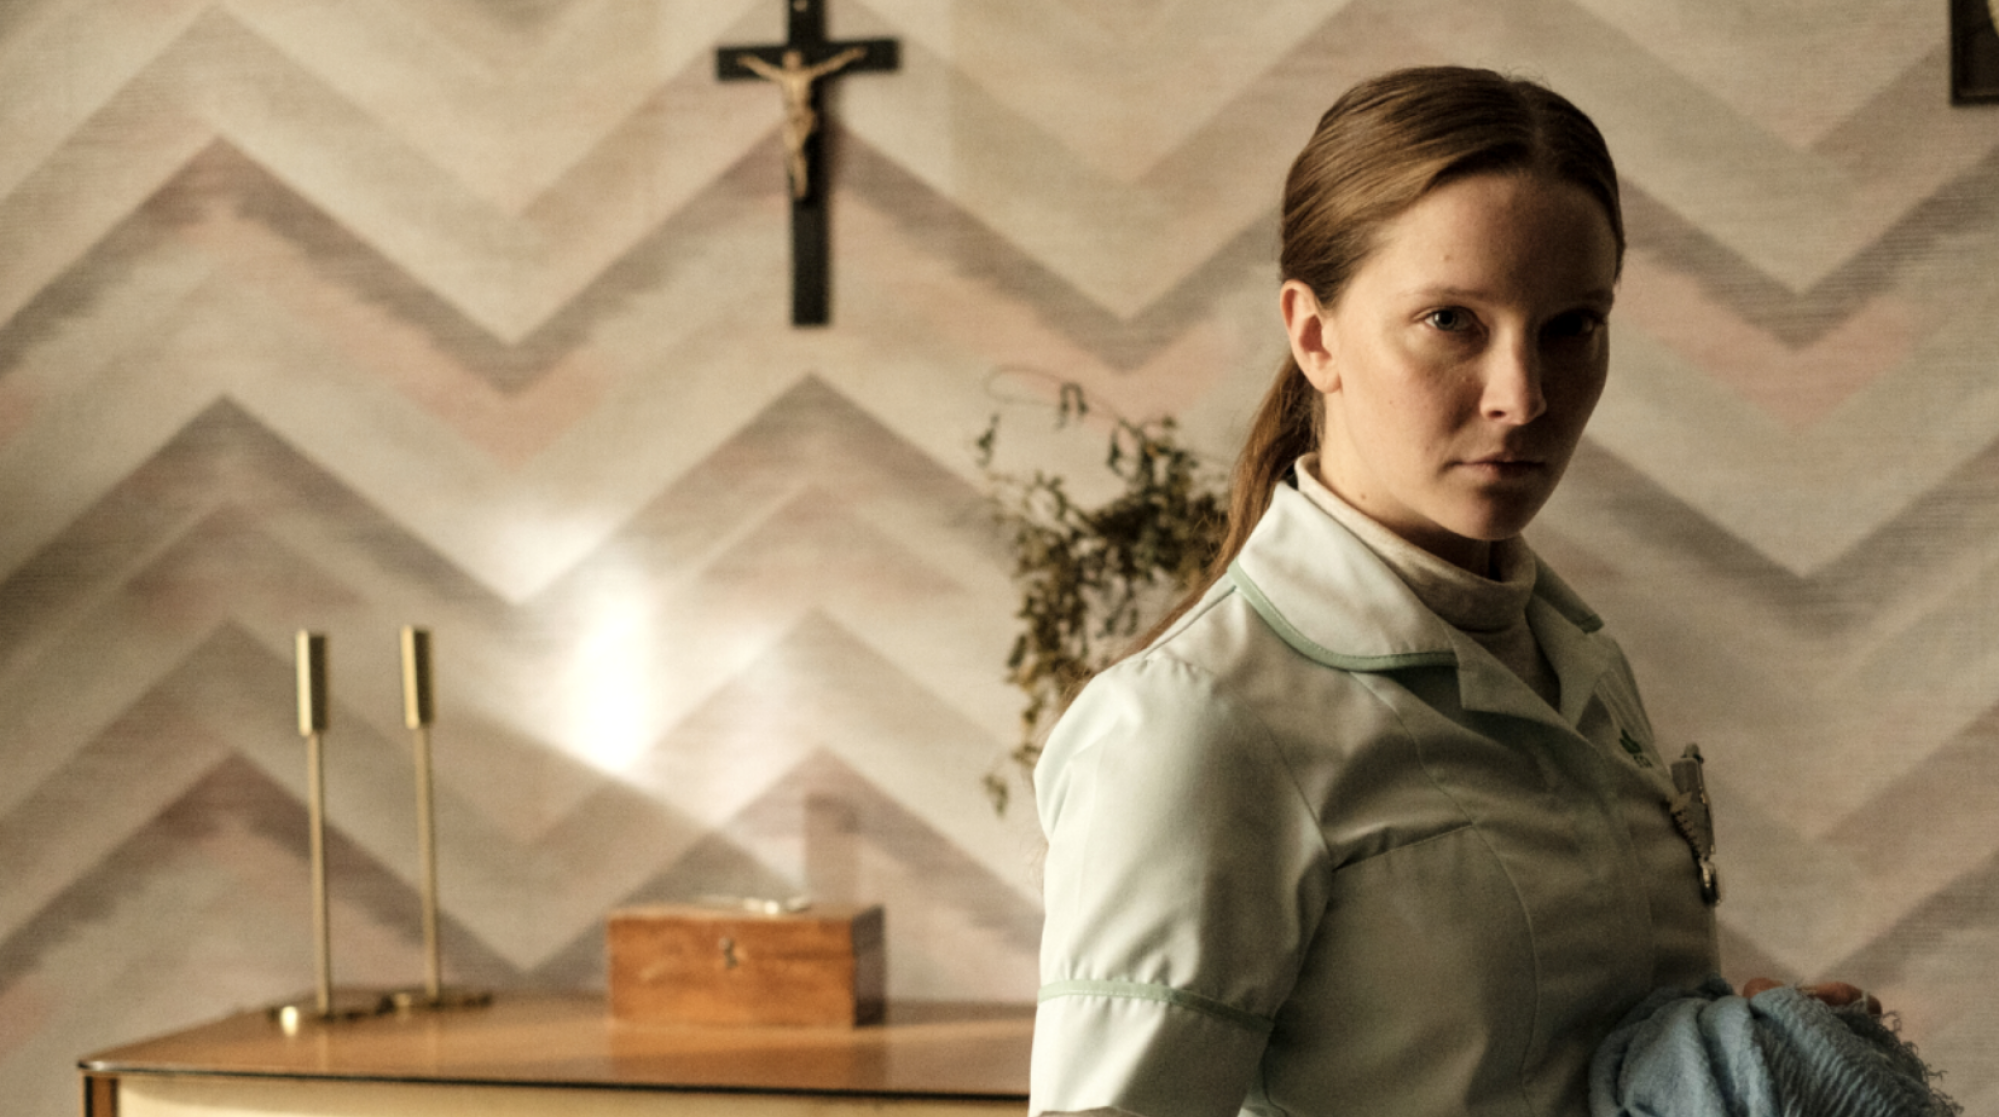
x=1376 y=823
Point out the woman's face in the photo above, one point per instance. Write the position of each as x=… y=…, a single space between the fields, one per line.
x=1463 y=358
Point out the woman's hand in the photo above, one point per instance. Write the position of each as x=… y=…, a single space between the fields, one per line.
x=1837 y=994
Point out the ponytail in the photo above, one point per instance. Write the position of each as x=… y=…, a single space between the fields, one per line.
x=1285 y=428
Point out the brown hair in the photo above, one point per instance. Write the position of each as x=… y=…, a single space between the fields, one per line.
x=1382 y=146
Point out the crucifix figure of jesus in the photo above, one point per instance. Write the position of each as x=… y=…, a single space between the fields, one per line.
x=794 y=79
x=800 y=68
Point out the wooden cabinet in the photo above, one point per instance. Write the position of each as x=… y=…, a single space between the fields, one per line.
x=530 y=1055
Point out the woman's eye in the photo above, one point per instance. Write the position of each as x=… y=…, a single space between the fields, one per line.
x=1450 y=320
x=1575 y=324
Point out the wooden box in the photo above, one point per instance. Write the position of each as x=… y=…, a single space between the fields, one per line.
x=690 y=964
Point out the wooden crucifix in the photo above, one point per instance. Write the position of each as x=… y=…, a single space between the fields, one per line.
x=798 y=67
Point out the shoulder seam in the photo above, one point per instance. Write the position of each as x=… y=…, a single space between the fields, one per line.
x=1225 y=693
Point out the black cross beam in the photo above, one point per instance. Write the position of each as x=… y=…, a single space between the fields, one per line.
x=799 y=67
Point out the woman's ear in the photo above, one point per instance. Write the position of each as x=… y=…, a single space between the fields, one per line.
x=1305 y=321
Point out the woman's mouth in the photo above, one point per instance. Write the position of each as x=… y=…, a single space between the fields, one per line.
x=1505 y=467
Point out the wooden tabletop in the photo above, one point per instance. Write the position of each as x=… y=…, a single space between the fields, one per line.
x=923 y=1051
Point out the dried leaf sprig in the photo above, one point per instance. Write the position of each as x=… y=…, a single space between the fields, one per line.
x=1092 y=578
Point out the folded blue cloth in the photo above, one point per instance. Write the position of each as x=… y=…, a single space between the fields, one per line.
x=1709 y=1053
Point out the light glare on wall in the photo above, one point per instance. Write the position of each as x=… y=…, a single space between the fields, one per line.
x=609 y=687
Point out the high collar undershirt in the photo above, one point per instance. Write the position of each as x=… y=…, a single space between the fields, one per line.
x=1493 y=612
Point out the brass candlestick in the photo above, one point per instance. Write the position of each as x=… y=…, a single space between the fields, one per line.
x=417 y=715
x=312 y=723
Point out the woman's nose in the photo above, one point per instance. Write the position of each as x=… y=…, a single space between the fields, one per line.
x=1513 y=390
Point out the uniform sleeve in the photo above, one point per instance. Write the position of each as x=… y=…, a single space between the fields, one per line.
x=1185 y=874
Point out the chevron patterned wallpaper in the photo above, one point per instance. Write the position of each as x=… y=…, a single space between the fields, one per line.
x=473 y=314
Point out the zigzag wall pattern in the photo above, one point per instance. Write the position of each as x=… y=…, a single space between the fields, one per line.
x=355 y=315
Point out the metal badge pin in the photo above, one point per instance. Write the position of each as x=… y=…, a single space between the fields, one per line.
x=1693 y=815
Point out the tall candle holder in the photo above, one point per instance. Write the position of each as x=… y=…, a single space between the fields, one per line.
x=313 y=717
x=418 y=712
